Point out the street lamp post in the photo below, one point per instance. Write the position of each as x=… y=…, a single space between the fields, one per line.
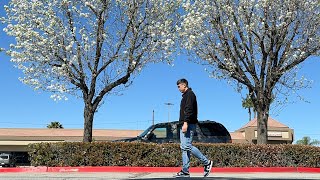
x=152 y=117
x=169 y=104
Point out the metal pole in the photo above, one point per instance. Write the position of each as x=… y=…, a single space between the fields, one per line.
x=169 y=104
x=152 y=117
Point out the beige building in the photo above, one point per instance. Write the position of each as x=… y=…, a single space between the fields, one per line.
x=278 y=133
x=16 y=140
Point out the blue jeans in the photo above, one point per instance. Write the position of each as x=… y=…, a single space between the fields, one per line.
x=187 y=148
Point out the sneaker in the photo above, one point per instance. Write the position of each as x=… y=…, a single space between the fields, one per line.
x=207 y=169
x=182 y=174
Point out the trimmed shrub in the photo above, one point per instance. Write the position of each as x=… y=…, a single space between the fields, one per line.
x=169 y=155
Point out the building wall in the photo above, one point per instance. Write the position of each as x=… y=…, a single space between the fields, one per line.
x=275 y=135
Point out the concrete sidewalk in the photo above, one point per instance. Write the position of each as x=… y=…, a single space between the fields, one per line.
x=155 y=173
x=129 y=169
x=153 y=176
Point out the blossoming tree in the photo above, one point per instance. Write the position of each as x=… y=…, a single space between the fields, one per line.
x=88 y=48
x=255 y=43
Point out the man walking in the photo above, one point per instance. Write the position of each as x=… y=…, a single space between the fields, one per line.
x=189 y=119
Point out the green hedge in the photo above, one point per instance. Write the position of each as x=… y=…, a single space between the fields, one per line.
x=169 y=155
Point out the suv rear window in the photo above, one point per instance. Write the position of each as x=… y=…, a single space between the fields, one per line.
x=212 y=129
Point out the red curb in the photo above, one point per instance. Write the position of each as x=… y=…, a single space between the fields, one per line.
x=161 y=169
x=27 y=169
x=113 y=169
x=308 y=170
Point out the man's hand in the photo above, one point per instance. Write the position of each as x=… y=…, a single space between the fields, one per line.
x=184 y=127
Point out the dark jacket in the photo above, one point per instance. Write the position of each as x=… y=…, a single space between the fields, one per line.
x=189 y=107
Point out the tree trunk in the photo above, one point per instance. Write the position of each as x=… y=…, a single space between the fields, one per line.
x=249 y=110
x=88 y=122
x=262 y=124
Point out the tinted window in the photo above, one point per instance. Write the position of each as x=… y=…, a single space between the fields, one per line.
x=178 y=129
x=175 y=132
x=160 y=132
x=212 y=129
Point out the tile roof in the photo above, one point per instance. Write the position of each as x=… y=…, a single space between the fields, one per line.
x=271 y=123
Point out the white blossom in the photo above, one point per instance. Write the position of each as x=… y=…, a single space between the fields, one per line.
x=210 y=27
x=258 y=44
x=58 y=41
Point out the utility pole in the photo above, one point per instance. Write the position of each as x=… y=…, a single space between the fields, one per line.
x=169 y=104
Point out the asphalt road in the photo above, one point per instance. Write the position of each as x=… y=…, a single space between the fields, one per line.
x=154 y=176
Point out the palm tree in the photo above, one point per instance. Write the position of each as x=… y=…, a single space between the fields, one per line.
x=307 y=141
x=55 y=125
x=248 y=104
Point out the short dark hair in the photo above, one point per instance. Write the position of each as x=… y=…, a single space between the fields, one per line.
x=182 y=81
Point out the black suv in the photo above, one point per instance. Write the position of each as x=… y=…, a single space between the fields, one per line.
x=206 y=132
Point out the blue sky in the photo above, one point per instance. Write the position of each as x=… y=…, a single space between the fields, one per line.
x=22 y=107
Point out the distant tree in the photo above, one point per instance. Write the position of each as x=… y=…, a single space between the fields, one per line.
x=257 y=44
x=55 y=125
x=88 y=48
x=248 y=104
x=307 y=141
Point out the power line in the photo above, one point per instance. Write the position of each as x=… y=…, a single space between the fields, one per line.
x=121 y=122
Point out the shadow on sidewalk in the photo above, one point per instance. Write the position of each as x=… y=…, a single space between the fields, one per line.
x=217 y=178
